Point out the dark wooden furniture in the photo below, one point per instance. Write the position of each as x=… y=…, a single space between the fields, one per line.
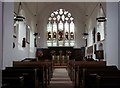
x=77 y=69
x=19 y=77
x=109 y=76
x=93 y=74
x=36 y=74
x=43 y=68
x=75 y=53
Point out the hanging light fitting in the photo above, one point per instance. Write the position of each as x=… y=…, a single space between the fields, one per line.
x=19 y=17
x=101 y=18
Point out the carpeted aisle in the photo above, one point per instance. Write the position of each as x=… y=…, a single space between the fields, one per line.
x=60 y=79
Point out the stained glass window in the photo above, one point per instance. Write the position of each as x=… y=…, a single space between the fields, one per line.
x=60 y=28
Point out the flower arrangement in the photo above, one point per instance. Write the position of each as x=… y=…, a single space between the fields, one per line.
x=52 y=52
x=39 y=53
x=68 y=52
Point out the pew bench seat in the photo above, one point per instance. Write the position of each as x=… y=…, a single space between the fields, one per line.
x=13 y=82
x=102 y=78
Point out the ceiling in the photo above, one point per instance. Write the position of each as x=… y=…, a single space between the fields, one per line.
x=36 y=8
x=82 y=10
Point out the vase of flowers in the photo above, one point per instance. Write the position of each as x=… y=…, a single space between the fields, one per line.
x=39 y=55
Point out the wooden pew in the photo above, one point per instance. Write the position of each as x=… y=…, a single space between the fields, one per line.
x=12 y=81
x=29 y=75
x=46 y=65
x=108 y=76
x=78 y=69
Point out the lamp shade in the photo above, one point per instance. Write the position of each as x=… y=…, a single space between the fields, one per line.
x=19 y=18
x=101 y=19
x=102 y=15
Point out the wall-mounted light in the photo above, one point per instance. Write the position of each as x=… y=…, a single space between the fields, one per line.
x=35 y=34
x=85 y=35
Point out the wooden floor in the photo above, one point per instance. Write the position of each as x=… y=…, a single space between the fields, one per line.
x=60 y=79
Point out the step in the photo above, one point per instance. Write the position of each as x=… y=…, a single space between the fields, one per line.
x=60 y=79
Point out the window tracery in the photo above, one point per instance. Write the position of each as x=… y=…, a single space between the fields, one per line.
x=60 y=29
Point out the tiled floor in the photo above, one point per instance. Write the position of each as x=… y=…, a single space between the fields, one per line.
x=60 y=79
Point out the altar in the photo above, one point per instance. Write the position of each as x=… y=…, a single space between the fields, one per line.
x=60 y=56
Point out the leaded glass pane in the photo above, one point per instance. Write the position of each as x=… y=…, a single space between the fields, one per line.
x=49 y=43
x=72 y=43
x=66 y=18
x=54 y=42
x=72 y=27
x=49 y=18
x=58 y=17
x=63 y=17
x=61 y=11
x=60 y=26
x=71 y=18
x=65 y=12
x=54 y=27
x=49 y=27
x=69 y=14
x=56 y=12
x=66 y=42
x=60 y=43
x=66 y=27
x=52 y=14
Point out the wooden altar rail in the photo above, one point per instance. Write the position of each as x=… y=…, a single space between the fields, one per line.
x=46 y=68
x=75 y=67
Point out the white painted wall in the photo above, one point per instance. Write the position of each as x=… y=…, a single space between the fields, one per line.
x=1 y=44
x=11 y=54
x=112 y=34
x=7 y=34
x=119 y=35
